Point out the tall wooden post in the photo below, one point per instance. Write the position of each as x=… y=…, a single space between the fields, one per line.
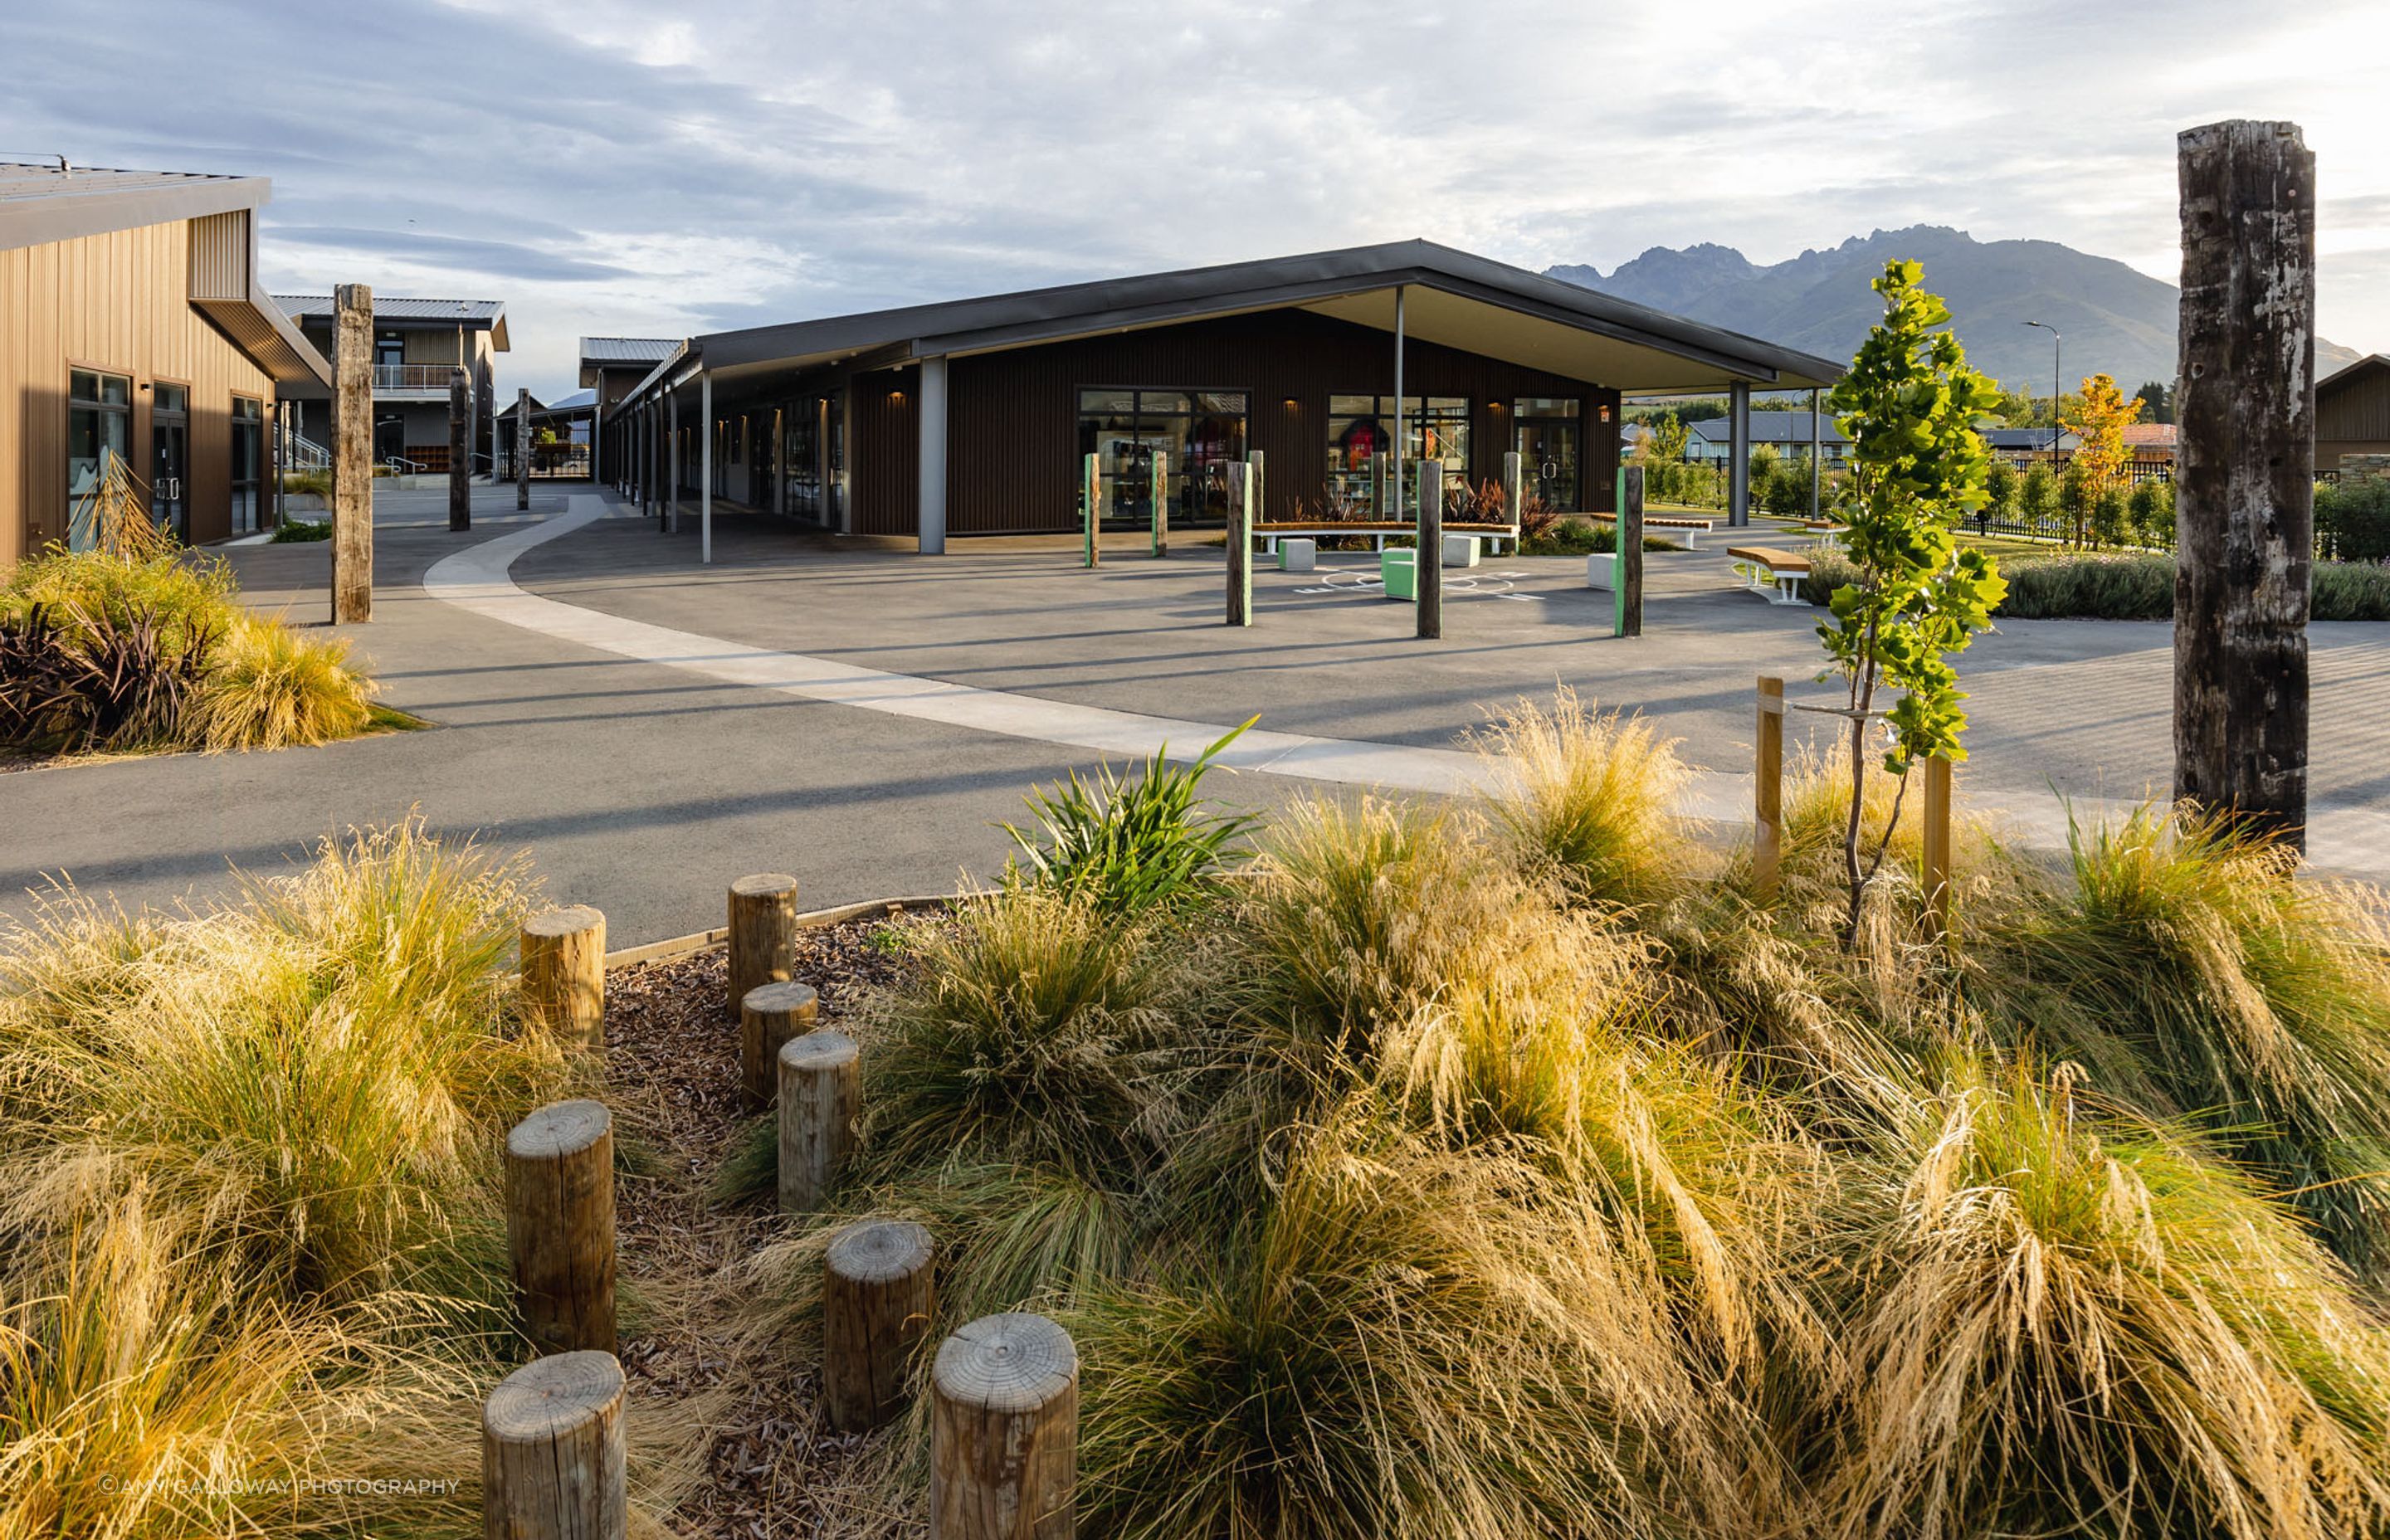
x=351 y=454
x=878 y=1294
x=763 y=943
x=1427 y=575
x=1627 y=591
x=1241 y=542
x=1157 y=494
x=1091 y=497
x=460 y=451
x=563 y=958
x=1936 y=879
x=554 y=1465
x=1256 y=496
x=1004 y=1432
x=522 y=449
x=1768 y=792
x=821 y=1095
x=560 y=1226
x=2244 y=504
x=1515 y=488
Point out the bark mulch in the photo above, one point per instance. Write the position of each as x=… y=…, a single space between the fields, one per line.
x=772 y=1468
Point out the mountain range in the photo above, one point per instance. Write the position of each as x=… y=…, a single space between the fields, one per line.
x=2113 y=318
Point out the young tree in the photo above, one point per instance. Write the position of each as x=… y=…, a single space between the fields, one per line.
x=2157 y=403
x=1908 y=406
x=2098 y=423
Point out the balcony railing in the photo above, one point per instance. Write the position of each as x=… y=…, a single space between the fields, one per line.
x=412 y=379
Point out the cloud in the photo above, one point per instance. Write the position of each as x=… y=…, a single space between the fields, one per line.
x=607 y=170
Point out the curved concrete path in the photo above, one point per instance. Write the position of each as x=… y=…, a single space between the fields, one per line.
x=477 y=580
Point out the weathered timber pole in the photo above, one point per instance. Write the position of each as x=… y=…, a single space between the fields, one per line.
x=560 y=1226
x=878 y=1295
x=821 y=1095
x=1514 y=490
x=553 y=1455
x=1936 y=878
x=1627 y=590
x=522 y=448
x=563 y=954
x=460 y=451
x=1241 y=542
x=352 y=345
x=2244 y=501
x=1427 y=574
x=769 y=1015
x=1091 y=497
x=1004 y=1432
x=1158 y=495
x=763 y=934
x=1767 y=790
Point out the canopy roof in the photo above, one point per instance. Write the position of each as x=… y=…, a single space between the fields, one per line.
x=1450 y=296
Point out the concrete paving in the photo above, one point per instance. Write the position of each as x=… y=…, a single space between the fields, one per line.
x=645 y=786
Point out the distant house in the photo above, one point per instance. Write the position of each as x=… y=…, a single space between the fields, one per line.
x=2150 y=441
x=611 y=367
x=1710 y=441
x=133 y=330
x=2021 y=446
x=418 y=346
x=572 y=421
x=2353 y=412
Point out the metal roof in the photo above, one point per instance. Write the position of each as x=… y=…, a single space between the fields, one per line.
x=627 y=349
x=1451 y=297
x=1770 y=426
x=43 y=203
x=394 y=308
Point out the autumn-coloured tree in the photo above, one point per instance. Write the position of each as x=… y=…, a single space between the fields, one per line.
x=2097 y=421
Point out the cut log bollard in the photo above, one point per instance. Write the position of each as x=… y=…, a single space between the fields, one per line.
x=564 y=973
x=769 y=1015
x=1004 y=1432
x=763 y=934
x=1768 y=792
x=553 y=1465
x=878 y=1295
x=560 y=1226
x=821 y=1091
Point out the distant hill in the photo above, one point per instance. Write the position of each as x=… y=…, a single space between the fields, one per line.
x=2114 y=317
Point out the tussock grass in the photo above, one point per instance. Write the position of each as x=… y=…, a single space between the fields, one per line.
x=1590 y=797
x=2070 y=1321
x=269 y=687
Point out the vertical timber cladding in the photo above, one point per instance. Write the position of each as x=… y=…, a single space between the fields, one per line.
x=119 y=302
x=1012 y=418
x=883 y=453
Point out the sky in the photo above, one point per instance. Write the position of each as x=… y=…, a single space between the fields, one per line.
x=648 y=168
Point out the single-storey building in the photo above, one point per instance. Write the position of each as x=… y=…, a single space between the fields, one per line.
x=418 y=346
x=1788 y=433
x=2353 y=412
x=973 y=417
x=611 y=367
x=133 y=328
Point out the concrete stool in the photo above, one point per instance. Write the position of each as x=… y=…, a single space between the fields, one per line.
x=1460 y=550
x=1297 y=555
x=1399 y=572
x=1600 y=570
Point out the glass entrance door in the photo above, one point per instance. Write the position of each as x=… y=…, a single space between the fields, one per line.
x=1549 y=435
x=170 y=436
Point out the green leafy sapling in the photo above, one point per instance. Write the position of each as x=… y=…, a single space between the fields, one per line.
x=1908 y=406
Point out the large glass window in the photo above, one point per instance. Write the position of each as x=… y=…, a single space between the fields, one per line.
x=1199 y=432
x=801 y=457
x=248 y=461
x=1546 y=433
x=99 y=419
x=1360 y=427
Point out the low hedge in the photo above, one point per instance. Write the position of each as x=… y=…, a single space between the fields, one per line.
x=2136 y=587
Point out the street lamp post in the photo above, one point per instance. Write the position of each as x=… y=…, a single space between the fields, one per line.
x=2056 y=375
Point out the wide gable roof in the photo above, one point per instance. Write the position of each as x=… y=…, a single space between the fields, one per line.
x=1450 y=296
x=43 y=203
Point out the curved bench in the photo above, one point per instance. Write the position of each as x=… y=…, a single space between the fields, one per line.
x=1775 y=575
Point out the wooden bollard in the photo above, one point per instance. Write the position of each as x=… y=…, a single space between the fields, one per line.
x=560 y=1226
x=564 y=973
x=878 y=1295
x=769 y=1015
x=553 y=1465
x=1004 y=1432
x=821 y=1090
x=1768 y=792
x=763 y=934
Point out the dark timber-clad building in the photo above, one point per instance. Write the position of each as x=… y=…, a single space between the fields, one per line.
x=972 y=417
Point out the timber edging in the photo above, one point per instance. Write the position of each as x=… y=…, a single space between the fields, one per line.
x=706 y=940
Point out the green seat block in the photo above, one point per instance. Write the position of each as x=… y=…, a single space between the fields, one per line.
x=1399 y=572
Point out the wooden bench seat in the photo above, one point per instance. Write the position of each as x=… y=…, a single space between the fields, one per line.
x=1775 y=575
x=1377 y=529
x=1693 y=525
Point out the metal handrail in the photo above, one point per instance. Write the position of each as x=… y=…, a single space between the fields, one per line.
x=414 y=467
x=412 y=377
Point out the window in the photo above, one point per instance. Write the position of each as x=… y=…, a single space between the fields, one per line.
x=99 y=417
x=1434 y=428
x=1199 y=433
x=248 y=461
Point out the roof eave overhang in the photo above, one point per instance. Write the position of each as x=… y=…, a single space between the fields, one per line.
x=40 y=221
